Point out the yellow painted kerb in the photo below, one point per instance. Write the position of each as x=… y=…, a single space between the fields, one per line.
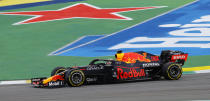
x=28 y=81
x=196 y=68
x=17 y=2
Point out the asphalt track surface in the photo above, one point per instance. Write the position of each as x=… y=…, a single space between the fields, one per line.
x=190 y=87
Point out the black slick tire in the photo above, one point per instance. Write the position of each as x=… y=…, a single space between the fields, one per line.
x=57 y=70
x=75 y=77
x=171 y=71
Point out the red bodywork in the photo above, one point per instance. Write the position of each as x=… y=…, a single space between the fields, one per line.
x=57 y=77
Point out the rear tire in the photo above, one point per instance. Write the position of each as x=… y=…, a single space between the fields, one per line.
x=172 y=71
x=57 y=70
x=75 y=78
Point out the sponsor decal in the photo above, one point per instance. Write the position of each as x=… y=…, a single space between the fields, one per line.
x=132 y=57
x=114 y=74
x=100 y=67
x=176 y=57
x=36 y=79
x=132 y=73
x=151 y=64
x=78 y=10
x=56 y=83
x=181 y=29
x=91 y=79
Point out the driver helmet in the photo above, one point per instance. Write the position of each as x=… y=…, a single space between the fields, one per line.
x=119 y=55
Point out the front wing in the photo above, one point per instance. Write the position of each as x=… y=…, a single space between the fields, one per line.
x=38 y=82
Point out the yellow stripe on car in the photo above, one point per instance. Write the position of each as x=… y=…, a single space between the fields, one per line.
x=47 y=80
x=18 y=2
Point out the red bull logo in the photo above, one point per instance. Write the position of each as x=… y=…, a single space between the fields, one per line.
x=132 y=57
x=132 y=73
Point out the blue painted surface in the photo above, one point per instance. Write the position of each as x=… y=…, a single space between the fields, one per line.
x=78 y=42
x=151 y=29
x=35 y=4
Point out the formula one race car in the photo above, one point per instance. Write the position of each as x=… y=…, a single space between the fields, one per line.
x=130 y=66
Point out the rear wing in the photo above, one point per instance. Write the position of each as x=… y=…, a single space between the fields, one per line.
x=173 y=56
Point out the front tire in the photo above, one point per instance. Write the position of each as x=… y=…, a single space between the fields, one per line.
x=172 y=71
x=57 y=70
x=75 y=78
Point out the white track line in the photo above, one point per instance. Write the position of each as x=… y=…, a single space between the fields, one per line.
x=203 y=71
x=15 y=82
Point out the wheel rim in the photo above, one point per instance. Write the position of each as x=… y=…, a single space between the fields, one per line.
x=76 y=78
x=174 y=71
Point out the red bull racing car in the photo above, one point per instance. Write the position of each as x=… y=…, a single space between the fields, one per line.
x=130 y=66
